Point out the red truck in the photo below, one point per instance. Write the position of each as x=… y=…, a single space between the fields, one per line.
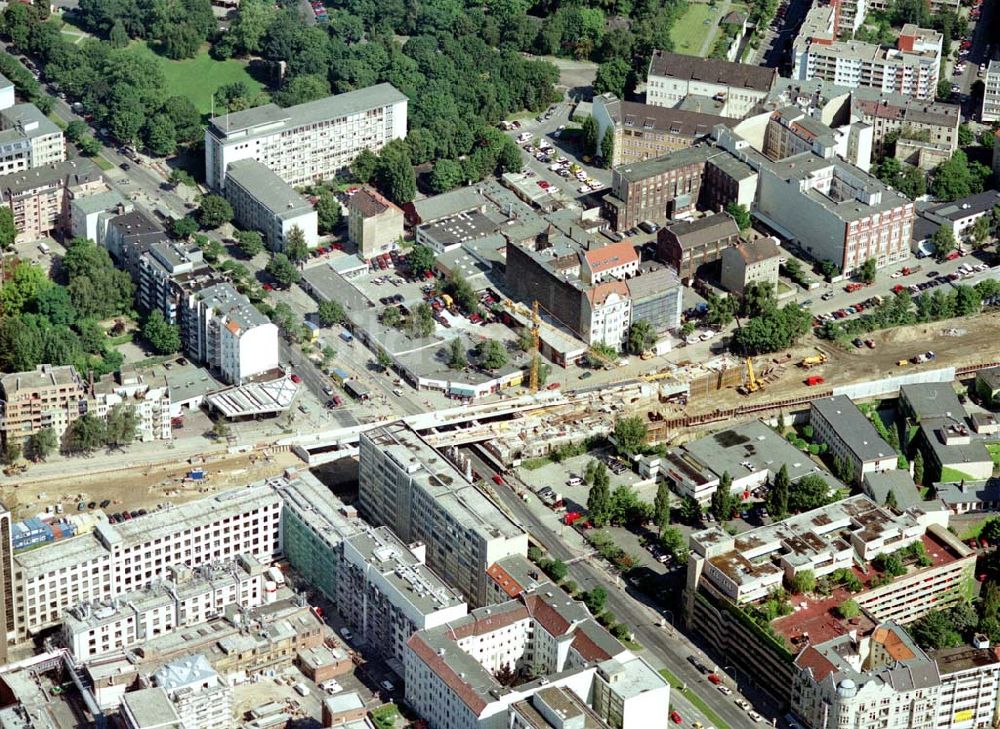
x=570 y=517
x=814 y=380
x=853 y=286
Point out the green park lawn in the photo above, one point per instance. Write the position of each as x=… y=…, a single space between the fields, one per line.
x=690 y=31
x=197 y=78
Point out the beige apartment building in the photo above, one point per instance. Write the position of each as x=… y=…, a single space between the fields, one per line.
x=374 y=223
x=48 y=397
x=39 y=198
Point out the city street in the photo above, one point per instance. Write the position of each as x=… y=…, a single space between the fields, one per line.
x=667 y=647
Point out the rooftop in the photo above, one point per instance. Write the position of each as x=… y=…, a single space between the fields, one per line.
x=267 y=188
x=966 y=207
x=853 y=428
x=73 y=172
x=952 y=493
x=703 y=231
x=878 y=484
x=515 y=574
x=964 y=658
x=461 y=227
x=692 y=68
x=449 y=203
x=271 y=119
x=638 y=171
x=43 y=376
x=29 y=120
x=676 y=122
x=369 y=203
x=761 y=249
x=226 y=301
x=151 y=709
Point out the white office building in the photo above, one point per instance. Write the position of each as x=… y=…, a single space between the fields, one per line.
x=307 y=142
x=201 y=698
x=115 y=559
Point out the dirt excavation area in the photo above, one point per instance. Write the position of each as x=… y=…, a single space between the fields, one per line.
x=145 y=487
x=955 y=342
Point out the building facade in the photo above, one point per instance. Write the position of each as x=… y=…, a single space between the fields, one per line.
x=851 y=437
x=307 y=142
x=406 y=485
x=736 y=88
x=49 y=397
x=690 y=244
x=264 y=202
x=925 y=122
x=374 y=223
x=750 y=262
x=40 y=198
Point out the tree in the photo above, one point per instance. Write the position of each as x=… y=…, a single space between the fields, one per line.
x=160 y=135
x=295 y=245
x=391 y=316
x=803 y=582
x=588 y=135
x=364 y=165
x=944 y=241
x=599 y=497
x=661 y=505
x=890 y=564
x=8 y=231
x=965 y=136
x=595 y=600
x=848 y=609
x=980 y=232
x=809 y=492
x=777 y=499
x=163 y=337
x=672 y=540
x=85 y=434
x=420 y=323
x=991 y=531
x=330 y=313
x=383 y=360
x=723 y=505
x=394 y=174
x=740 y=214
x=184 y=228
x=492 y=354
x=607 y=150
x=446 y=175
x=641 y=337
x=613 y=77
x=42 y=444
x=96 y=287
x=890 y=500
x=557 y=570
x=283 y=270
x=214 y=211
x=630 y=434
x=252 y=22
x=758 y=299
x=302 y=89
x=118 y=38
x=219 y=429
x=250 y=242
x=935 y=630
x=11 y=453
x=329 y=213
x=690 y=511
x=867 y=270
x=456 y=355
x=121 y=425
x=421 y=260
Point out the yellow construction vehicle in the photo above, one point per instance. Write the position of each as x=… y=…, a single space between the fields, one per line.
x=751 y=384
x=814 y=360
x=647 y=355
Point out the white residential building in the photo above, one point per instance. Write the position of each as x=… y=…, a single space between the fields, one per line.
x=116 y=559
x=201 y=698
x=608 y=308
x=264 y=202
x=991 y=93
x=230 y=335
x=407 y=485
x=911 y=68
x=28 y=138
x=150 y=401
x=851 y=437
x=7 y=99
x=187 y=597
x=450 y=670
x=970 y=685
x=307 y=142
x=387 y=593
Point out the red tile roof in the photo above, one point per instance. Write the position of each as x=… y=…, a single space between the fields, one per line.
x=815 y=661
x=597 y=295
x=611 y=256
x=504 y=580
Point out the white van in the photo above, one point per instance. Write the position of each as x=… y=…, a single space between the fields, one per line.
x=44 y=248
x=301 y=689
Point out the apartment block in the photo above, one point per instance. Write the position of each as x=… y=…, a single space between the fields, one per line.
x=115 y=559
x=127 y=237
x=450 y=670
x=836 y=211
x=308 y=142
x=960 y=216
x=89 y=215
x=850 y=436
x=645 y=131
x=928 y=129
x=687 y=245
x=28 y=139
x=374 y=223
x=848 y=15
x=750 y=262
x=790 y=131
x=262 y=201
x=911 y=68
x=198 y=694
x=751 y=453
x=991 y=93
x=406 y=485
x=387 y=593
x=165 y=269
x=49 y=397
x=40 y=198
x=229 y=334
x=970 y=685
x=735 y=88
x=149 y=398
x=187 y=596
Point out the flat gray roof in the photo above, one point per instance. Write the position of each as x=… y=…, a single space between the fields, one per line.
x=151 y=709
x=932 y=400
x=270 y=118
x=658 y=165
x=852 y=427
x=267 y=188
x=29 y=120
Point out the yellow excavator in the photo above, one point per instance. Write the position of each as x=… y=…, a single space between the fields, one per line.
x=752 y=384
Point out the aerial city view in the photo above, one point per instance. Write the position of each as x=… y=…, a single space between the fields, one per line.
x=504 y=365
